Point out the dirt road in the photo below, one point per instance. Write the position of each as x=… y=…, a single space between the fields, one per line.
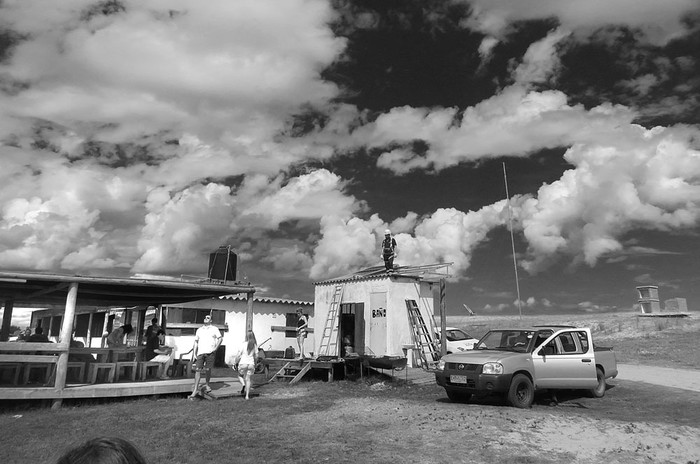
x=686 y=379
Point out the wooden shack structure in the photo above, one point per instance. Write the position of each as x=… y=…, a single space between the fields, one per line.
x=68 y=293
x=381 y=315
x=274 y=322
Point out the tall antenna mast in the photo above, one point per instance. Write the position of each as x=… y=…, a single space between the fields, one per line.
x=512 y=242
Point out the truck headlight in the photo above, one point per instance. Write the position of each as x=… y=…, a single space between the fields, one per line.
x=441 y=365
x=492 y=368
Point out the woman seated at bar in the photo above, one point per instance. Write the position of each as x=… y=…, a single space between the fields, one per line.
x=116 y=338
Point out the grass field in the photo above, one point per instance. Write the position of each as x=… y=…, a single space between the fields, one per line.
x=382 y=421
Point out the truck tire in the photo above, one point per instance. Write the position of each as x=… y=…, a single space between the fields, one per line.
x=457 y=396
x=521 y=393
x=599 y=390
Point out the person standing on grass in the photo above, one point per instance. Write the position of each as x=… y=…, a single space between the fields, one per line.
x=246 y=357
x=206 y=341
x=302 y=330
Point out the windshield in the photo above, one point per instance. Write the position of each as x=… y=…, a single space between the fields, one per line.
x=455 y=335
x=506 y=340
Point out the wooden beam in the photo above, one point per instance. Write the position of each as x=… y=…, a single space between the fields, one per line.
x=65 y=337
x=6 y=320
x=28 y=347
x=443 y=322
x=249 y=313
x=46 y=291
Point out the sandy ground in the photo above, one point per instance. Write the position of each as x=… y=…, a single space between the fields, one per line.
x=685 y=379
x=438 y=431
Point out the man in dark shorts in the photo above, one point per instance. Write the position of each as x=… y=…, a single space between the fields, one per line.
x=206 y=341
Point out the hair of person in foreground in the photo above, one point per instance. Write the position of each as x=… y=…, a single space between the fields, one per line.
x=103 y=450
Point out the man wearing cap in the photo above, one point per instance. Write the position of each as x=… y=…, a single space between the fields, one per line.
x=206 y=341
x=388 y=250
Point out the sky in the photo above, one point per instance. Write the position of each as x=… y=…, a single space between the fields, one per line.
x=136 y=137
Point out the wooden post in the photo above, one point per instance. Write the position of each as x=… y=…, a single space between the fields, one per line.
x=443 y=323
x=65 y=338
x=6 y=320
x=249 y=313
x=88 y=337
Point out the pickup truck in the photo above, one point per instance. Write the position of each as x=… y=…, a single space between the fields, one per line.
x=516 y=362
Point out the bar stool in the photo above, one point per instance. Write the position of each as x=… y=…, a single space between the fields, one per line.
x=48 y=370
x=81 y=369
x=133 y=365
x=182 y=367
x=15 y=367
x=96 y=367
x=144 y=366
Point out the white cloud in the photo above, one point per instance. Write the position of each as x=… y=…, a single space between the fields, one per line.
x=660 y=21
x=88 y=178
x=513 y=123
x=446 y=236
x=645 y=181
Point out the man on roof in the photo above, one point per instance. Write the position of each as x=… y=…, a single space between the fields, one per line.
x=388 y=250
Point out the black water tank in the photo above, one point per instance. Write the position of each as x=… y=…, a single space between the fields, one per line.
x=222 y=264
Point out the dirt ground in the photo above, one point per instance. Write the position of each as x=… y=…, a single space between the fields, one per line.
x=386 y=422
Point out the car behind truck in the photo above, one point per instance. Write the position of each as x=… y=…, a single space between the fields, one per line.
x=516 y=362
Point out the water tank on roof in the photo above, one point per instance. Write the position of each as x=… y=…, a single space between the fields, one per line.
x=222 y=264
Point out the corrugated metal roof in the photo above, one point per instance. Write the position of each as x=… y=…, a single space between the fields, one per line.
x=31 y=289
x=269 y=299
x=428 y=272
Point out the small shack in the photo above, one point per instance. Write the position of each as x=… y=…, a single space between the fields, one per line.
x=375 y=313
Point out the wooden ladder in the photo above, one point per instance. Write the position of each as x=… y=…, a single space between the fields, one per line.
x=426 y=347
x=329 y=336
x=292 y=372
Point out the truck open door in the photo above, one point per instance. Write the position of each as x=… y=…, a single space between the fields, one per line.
x=565 y=360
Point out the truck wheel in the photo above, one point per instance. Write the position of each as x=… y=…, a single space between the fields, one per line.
x=521 y=393
x=457 y=396
x=599 y=390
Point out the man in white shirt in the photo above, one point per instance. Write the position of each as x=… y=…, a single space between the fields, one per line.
x=206 y=340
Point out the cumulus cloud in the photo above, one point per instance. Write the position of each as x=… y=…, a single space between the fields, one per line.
x=647 y=181
x=445 y=236
x=141 y=136
x=659 y=21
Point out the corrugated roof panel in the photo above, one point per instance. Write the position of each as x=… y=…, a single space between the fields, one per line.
x=425 y=272
x=268 y=299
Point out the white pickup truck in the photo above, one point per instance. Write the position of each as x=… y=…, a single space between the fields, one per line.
x=516 y=362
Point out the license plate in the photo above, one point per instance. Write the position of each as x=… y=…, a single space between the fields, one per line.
x=458 y=379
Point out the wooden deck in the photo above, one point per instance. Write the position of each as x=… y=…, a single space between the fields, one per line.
x=222 y=387
x=114 y=390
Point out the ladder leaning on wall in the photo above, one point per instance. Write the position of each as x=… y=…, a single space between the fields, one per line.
x=329 y=336
x=425 y=347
